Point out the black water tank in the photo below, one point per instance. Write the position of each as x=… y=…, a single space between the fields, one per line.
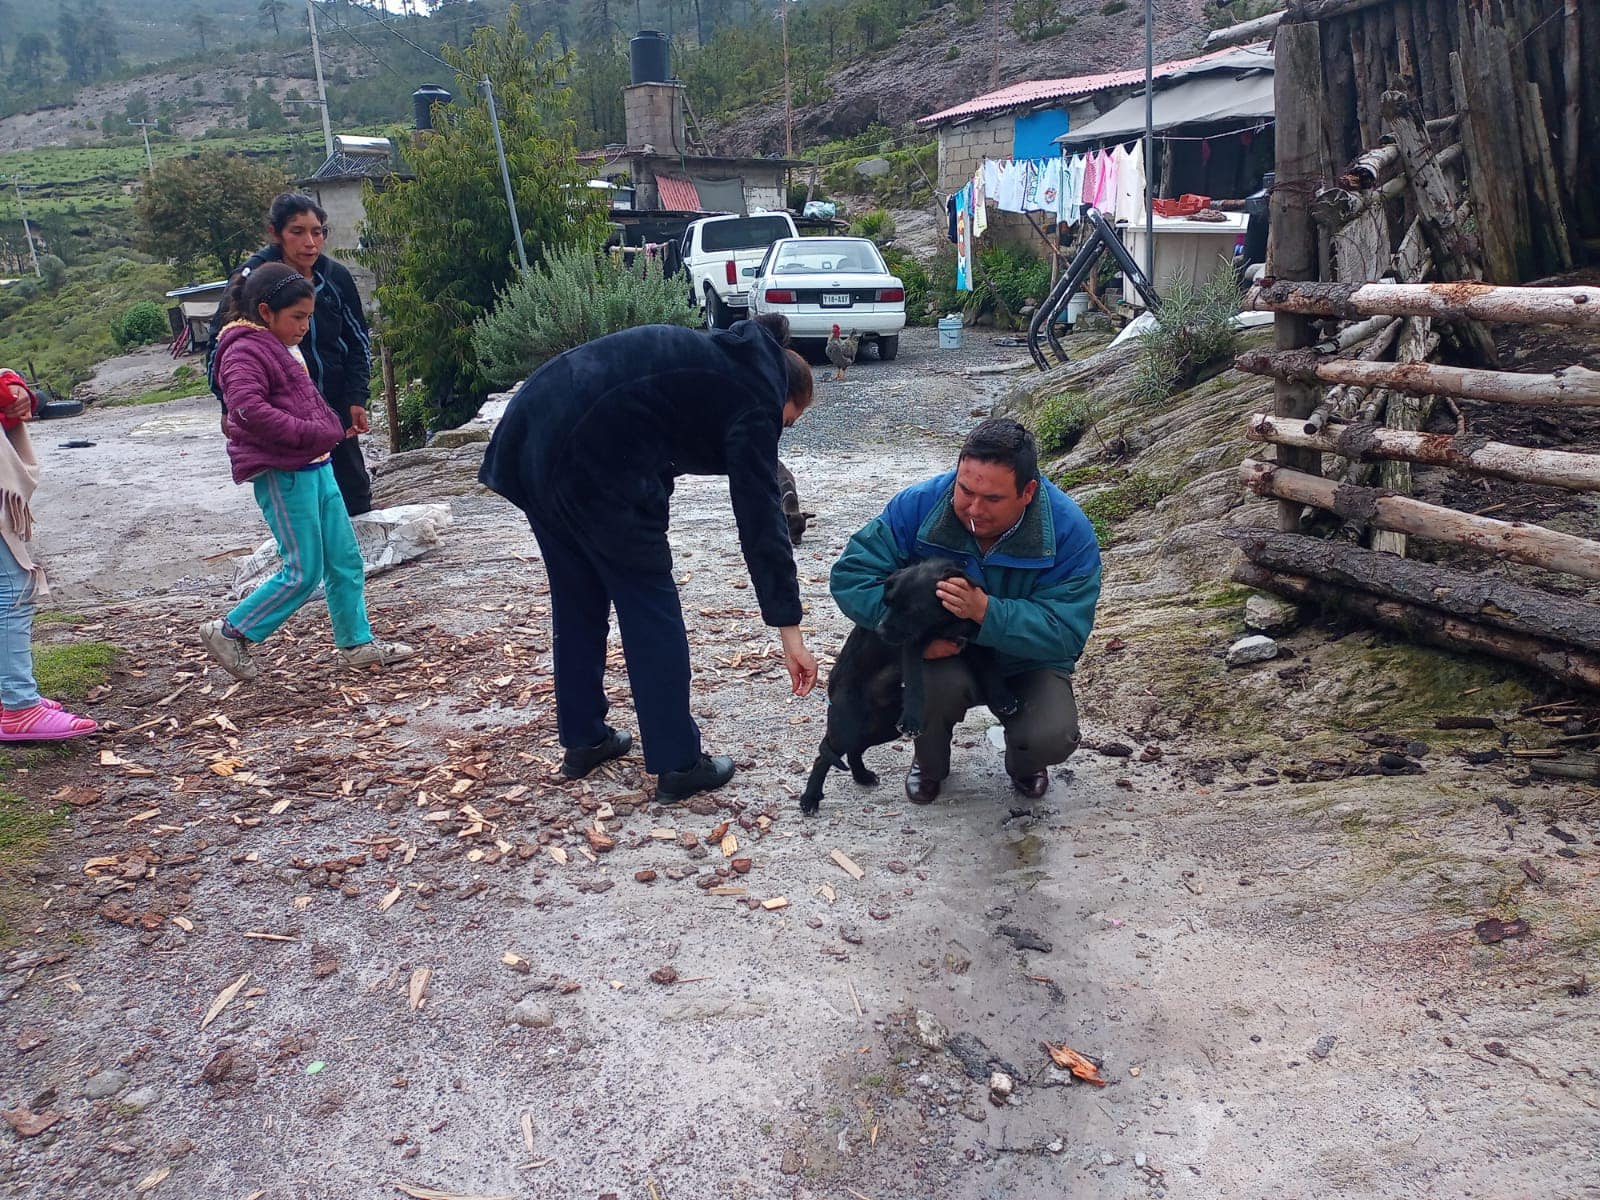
x=423 y=100
x=649 y=53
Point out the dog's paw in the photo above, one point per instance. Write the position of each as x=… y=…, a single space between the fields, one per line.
x=866 y=778
x=910 y=727
x=810 y=805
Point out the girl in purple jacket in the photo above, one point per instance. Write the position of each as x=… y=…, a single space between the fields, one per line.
x=280 y=436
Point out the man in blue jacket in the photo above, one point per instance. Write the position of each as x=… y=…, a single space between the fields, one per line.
x=1033 y=577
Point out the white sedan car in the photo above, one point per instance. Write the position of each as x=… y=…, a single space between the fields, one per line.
x=822 y=282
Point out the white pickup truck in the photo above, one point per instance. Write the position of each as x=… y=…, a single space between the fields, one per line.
x=720 y=254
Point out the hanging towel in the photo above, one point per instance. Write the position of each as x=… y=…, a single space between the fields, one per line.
x=1093 y=169
x=1071 y=198
x=964 y=239
x=1013 y=186
x=991 y=179
x=980 y=205
x=1044 y=185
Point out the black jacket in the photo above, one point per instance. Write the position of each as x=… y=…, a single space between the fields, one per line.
x=592 y=442
x=337 y=349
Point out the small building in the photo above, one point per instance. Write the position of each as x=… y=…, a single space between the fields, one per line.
x=190 y=317
x=337 y=185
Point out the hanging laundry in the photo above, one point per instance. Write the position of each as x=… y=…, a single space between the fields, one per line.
x=980 y=206
x=950 y=209
x=1070 y=204
x=1044 y=186
x=1130 y=198
x=1106 y=196
x=991 y=179
x=963 y=200
x=1013 y=186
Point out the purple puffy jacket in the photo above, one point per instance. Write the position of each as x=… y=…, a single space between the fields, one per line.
x=276 y=419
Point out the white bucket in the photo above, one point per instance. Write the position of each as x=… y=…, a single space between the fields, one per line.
x=1077 y=306
x=950 y=333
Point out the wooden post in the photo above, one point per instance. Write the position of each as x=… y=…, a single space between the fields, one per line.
x=1532 y=544
x=1458 y=452
x=1302 y=166
x=1572 y=110
x=1574 y=306
x=391 y=400
x=1476 y=595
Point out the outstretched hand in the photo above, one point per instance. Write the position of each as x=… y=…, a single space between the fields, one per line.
x=15 y=403
x=800 y=662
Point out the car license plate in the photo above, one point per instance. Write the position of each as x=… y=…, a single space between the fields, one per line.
x=835 y=299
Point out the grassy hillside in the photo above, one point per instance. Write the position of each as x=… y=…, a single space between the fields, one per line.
x=145 y=32
x=65 y=334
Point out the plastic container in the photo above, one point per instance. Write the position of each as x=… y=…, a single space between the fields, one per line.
x=950 y=333
x=1077 y=306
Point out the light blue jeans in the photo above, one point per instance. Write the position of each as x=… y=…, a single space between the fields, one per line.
x=17 y=688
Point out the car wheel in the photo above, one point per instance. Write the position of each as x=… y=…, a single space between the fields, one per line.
x=716 y=311
x=888 y=348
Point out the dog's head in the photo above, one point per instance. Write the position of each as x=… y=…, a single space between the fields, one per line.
x=913 y=610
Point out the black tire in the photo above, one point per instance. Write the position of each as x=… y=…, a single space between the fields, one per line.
x=716 y=311
x=888 y=348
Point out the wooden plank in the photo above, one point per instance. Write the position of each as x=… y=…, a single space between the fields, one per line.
x=1547 y=186
x=1571 y=109
x=1578 y=307
x=1419 y=623
x=1458 y=452
x=1303 y=163
x=1472 y=594
x=1515 y=540
x=1484 y=184
x=1570 y=387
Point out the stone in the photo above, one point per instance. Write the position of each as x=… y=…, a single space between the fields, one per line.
x=929 y=1031
x=1270 y=614
x=1056 y=1147
x=105 y=1084
x=873 y=168
x=531 y=1014
x=141 y=1098
x=1140 y=1161
x=1252 y=649
x=449 y=439
x=1001 y=1086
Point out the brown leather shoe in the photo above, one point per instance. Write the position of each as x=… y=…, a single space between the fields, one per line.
x=1032 y=786
x=918 y=789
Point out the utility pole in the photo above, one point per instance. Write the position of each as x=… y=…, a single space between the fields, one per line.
x=145 y=127
x=1149 y=143
x=322 y=91
x=26 y=232
x=994 y=70
x=505 y=173
x=788 y=103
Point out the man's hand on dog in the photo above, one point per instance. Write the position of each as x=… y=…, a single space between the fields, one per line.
x=940 y=648
x=963 y=598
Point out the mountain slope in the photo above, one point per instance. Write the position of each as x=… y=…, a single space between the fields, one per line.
x=918 y=76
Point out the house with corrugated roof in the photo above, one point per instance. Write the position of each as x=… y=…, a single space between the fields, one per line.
x=1037 y=118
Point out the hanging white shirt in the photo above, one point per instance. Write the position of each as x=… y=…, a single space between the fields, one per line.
x=980 y=206
x=1013 y=189
x=1070 y=202
x=1130 y=197
x=1044 y=186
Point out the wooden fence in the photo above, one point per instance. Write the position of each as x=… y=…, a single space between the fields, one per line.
x=1376 y=273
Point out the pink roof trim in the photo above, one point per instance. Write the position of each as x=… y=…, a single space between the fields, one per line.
x=1036 y=90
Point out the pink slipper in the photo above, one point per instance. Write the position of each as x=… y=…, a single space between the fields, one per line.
x=40 y=723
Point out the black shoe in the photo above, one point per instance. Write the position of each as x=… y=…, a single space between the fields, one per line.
x=710 y=773
x=920 y=790
x=577 y=763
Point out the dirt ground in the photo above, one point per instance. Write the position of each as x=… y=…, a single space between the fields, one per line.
x=444 y=954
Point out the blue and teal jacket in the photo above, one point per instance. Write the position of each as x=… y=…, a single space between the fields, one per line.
x=1043 y=578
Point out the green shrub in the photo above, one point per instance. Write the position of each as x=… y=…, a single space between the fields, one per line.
x=1194 y=330
x=53 y=271
x=140 y=324
x=877 y=225
x=953 y=53
x=1061 y=421
x=570 y=299
x=1135 y=493
x=1112 y=7
x=915 y=277
x=412 y=406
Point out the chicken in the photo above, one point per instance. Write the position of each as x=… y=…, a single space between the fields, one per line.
x=841 y=353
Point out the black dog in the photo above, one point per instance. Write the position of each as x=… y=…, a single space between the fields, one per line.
x=876 y=688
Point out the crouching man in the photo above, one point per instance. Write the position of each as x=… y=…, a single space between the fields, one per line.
x=1033 y=578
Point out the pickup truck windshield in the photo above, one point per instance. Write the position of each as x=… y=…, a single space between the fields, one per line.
x=747 y=233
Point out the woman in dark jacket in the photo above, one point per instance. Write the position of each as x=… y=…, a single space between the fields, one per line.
x=588 y=448
x=338 y=349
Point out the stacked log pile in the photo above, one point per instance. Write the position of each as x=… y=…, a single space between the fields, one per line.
x=1377 y=276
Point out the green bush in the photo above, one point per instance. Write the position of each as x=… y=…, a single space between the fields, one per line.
x=53 y=271
x=1194 y=330
x=915 y=277
x=1017 y=275
x=1061 y=421
x=1113 y=7
x=1110 y=506
x=877 y=225
x=953 y=53
x=571 y=299
x=140 y=324
x=412 y=406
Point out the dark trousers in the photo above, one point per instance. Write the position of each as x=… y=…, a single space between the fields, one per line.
x=584 y=586
x=350 y=473
x=1042 y=733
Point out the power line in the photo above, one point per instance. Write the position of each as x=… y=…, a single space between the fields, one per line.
x=419 y=49
x=371 y=53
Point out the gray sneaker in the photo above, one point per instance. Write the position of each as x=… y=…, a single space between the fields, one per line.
x=232 y=653
x=376 y=653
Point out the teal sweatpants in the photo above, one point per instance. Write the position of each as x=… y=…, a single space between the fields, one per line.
x=307 y=516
